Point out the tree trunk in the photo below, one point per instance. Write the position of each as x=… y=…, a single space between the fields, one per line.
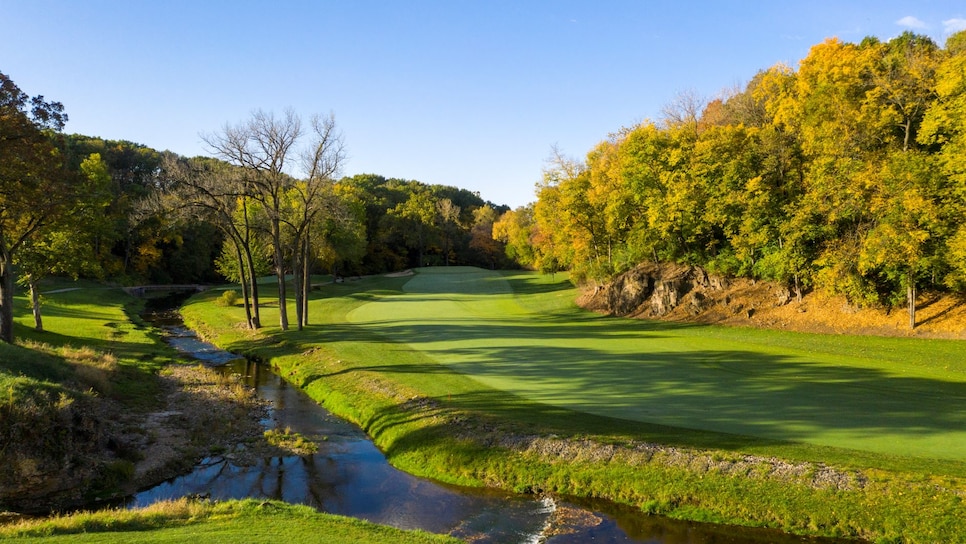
x=243 y=276
x=280 y=275
x=35 y=304
x=306 y=280
x=911 y=297
x=253 y=279
x=297 y=281
x=6 y=297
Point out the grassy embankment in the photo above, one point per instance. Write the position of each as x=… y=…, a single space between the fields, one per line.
x=483 y=378
x=248 y=521
x=53 y=387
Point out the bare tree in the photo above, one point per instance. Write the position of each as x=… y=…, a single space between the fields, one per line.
x=684 y=111
x=321 y=160
x=214 y=191
x=262 y=146
x=266 y=148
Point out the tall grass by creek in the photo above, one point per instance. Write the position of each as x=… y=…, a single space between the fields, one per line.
x=229 y=522
x=483 y=378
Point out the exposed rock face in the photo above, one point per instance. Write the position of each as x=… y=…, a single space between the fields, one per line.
x=652 y=290
x=684 y=293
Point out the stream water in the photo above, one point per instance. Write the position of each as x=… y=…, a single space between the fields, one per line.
x=350 y=476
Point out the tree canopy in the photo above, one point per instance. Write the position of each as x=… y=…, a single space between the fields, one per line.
x=844 y=174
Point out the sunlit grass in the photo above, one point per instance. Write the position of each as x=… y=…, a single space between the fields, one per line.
x=227 y=522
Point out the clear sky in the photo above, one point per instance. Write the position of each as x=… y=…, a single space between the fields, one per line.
x=457 y=92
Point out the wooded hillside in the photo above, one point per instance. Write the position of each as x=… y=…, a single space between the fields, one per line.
x=847 y=174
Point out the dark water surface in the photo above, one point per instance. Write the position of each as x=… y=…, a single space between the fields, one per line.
x=350 y=476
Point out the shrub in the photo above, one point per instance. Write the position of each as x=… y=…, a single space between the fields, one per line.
x=228 y=298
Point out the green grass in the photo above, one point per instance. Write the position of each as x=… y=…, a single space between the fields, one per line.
x=510 y=354
x=891 y=396
x=82 y=320
x=228 y=522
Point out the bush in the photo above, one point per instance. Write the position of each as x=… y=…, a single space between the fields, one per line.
x=228 y=298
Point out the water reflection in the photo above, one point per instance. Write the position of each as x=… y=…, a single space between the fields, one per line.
x=350 y=476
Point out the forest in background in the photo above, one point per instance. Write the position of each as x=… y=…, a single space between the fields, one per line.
x=81 y=206
x=846 y=174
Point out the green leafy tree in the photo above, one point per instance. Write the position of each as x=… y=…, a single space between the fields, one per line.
x=35 y=186
x=67 y=245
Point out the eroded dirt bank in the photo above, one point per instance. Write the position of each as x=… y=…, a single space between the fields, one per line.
x=115 y=450
x=689 y=294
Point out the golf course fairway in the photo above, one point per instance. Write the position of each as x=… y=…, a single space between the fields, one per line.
x=520 y=334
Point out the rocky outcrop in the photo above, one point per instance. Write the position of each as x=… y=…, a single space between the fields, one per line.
x=652 y=290
x=673 y=291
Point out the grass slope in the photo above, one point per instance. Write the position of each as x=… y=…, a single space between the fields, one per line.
x=483 y=378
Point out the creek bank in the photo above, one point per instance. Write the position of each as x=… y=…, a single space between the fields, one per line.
x=112 y=449
x=690 y=294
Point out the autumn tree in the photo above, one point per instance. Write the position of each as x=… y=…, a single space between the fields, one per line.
x=482 y=238
x=944 y=129
x=516 y=229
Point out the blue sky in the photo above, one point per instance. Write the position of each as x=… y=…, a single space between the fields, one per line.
x=466 y=93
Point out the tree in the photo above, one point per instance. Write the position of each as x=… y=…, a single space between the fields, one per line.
x=34 y=185
x=213 y=191
x=902 y=82
x=944 y=129
x=448 y=225
x=515 y=229
x=263 y=146
x=482 y=238
x=339 y=236
x=309 y=201
x=903 y=244
x=414 y=220
x=67 y=245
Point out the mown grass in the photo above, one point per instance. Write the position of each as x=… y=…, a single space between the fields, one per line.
x=227 y=522
x=416 y=362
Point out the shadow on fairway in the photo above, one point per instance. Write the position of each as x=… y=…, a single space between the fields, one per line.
x=775 y=397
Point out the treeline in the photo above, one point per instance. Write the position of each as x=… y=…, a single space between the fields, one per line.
x=847 y=174
x=87 y=207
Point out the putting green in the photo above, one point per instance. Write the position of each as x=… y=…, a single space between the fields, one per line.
x=772 y=385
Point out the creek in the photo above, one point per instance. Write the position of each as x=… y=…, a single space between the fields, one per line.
x=350 y=476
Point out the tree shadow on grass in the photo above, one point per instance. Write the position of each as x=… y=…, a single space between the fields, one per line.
x=732 y=391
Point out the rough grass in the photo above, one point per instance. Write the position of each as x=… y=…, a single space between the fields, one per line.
x=423 y=366
x=247 y=521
